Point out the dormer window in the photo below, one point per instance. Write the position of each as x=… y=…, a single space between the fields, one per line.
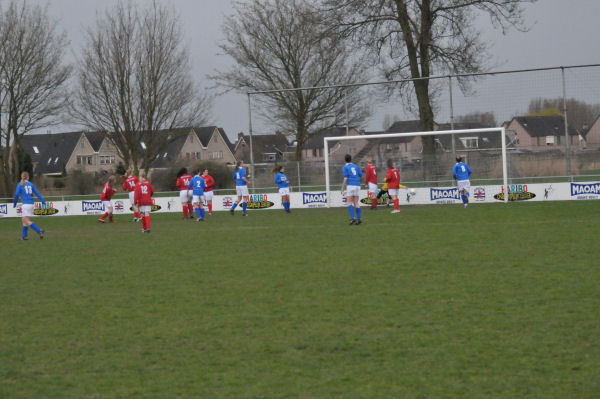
x=35 y=149
x=143 y=145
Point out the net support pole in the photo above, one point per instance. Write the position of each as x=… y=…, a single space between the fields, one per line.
x=327 y=188
x=251 y=146
x=567 y=144
x=504 y=164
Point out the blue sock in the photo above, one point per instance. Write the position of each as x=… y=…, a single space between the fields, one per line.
x=197 y=212
x=358 y=212
x=351 y=211
x=24 y=231
x=464 y=198
x=234 y=205
x=244 y=206
x=202 y=213
x=287 y=206
x=34 y=227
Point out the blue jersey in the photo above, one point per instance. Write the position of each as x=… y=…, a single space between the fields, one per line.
x=461 y=171
x=281 y=180
x=238 y=176
x=26 y=194
x=353 y=174
x=198 y=185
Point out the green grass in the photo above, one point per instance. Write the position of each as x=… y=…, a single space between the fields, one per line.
x=496 y=301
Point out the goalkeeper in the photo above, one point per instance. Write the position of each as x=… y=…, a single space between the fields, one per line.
x=383 y=192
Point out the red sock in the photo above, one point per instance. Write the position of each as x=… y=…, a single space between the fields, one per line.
x=110 y=217
x=209 y=208
x=104 y=216
x=147 y=222
x=190 y=209
x=144 y=222
x=374 y=200
x=185 y=210
x=396 y=204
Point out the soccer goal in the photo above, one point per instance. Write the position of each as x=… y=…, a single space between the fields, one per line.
x=429 y=175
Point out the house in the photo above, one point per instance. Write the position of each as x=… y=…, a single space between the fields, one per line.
x=206 y=143
x=266 y=147
x=590 y=137
x=539 y=133
x=408 y=148
x=314 y=146
x=465 y=142
x=51 y=154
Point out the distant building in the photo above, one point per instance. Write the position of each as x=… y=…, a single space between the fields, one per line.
x=266 y=147
x=539 y=133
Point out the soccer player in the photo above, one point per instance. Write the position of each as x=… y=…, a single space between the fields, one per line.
x=461 y=173
x=208 y=190
x=197 y=185
x=25 y=190
x=392 y=179
x=185 y=195
x=143 y=199
x=351 y=185
x=105 y=197
x=129 y=185
x=284 y=188
x=241 y=187
x=371 y=182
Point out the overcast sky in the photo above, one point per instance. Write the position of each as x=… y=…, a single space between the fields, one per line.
x=563 y=32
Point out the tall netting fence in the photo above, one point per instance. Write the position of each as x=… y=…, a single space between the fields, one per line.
x=550 y=115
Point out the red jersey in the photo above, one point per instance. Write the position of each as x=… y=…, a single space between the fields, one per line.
x=210 y=182
x=393 y=178
x=143 y=193
x=107 y=193
x=371 y=174
x=183 y=181
x=130 y=183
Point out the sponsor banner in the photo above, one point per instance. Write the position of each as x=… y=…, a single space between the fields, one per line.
x=444 y=195
x=314 y=200
x=585 y=191
x=425 y=195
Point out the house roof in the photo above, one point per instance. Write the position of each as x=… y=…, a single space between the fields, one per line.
x=541 y=126
x=95 y=139
x=316 y=140
x=50 y=152
x=402 y=127
x=267 y=143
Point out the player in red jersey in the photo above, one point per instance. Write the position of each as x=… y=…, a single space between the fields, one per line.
x=129 y=185
x=392 y=179
x=143 y=199
x=185 y=195
x=208 y=190
x=105 y=197
x=371 y=182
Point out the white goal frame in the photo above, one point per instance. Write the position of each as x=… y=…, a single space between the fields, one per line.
x=500 y=130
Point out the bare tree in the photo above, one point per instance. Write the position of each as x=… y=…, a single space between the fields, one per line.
x=580 y=115
x=135 y=84
x=484 y=118
x=285 y=44
x=32 y=79
x=414 y=38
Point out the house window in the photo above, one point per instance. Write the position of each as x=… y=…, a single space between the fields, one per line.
x=470 y=142
x=549 y=140
x=35 y=149
x=107 y=159
x=82 y=145
x=270 y=157
x=215 y=138
x=314 y=152
x=557 y=140
x=187 y=155
x=191 y=138
x=198 y=155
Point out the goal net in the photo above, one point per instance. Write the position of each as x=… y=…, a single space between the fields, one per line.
x=426 y=175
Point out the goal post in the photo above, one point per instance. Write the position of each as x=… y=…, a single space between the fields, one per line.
x=476 y=133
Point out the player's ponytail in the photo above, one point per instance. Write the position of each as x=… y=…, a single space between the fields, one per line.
x=24 y=178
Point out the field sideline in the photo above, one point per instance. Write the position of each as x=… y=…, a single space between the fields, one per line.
x=495 y=301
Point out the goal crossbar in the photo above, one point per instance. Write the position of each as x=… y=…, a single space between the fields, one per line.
x=501 y=130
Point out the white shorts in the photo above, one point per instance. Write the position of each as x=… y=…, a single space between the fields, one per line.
x=132 y=197
x=145 y=209
x=184 y=196
x=107 y=204
x=197 y=199
x=393 y=191
x=352 y=191
x=242 y=191
x=27 y=210
x=372 y=188
x=284 y=191
x=463 y=185
x=208 y=195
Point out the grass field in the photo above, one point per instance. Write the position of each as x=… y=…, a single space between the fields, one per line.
x=496 y=301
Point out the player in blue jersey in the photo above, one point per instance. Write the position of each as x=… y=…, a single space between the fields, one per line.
x=283 y=184
x=197 y=185
x=461 y=173
x=241 y=188
x=25 y=190
x=351 y=185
